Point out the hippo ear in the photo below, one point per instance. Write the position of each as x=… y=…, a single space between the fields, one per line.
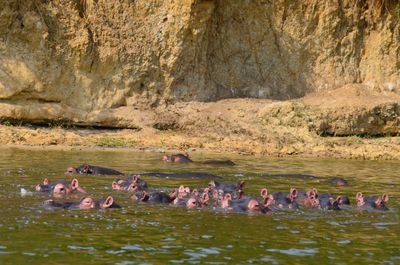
x=240 y=194
x=215 y=195
x=293 y=193
x=195 y=192
x=310 y=193
x=134 y=178
x=385 y=197
x=359 y=195
x=315 y=192
x=187 y=189
x=205 y=197
x=181 y=189
x=45 y=181
x=268 y=200
x=86 y=168
x=108 y=202
x=115 y=185
x=75 y=184
x=339 y=200
x=211 y=185
x=228 y=196
x=173 y=194
x=241 y=184
x=264 y=192
x=144 y=197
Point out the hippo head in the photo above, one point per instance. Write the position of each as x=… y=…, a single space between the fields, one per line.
x=62 y=189
x=183 y=191
x=293 y=193
x=166 y=159
x=225 y=202
x=204 y=199
x=192 y=203
x=360 y=199
x=268 y=201
x=87 y=203
x=380 y=202
x=44 y=186
x=118 y=184
x=71 y=171
x=333 y=204
x=106 y=203
x=253 y=206
x=312 y=198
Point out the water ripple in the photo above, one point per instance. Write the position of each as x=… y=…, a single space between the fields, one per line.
x=296 y=251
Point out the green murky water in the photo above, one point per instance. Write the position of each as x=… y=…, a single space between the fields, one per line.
x=152 y=234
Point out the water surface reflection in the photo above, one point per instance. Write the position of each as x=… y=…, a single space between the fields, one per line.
x=154 y=234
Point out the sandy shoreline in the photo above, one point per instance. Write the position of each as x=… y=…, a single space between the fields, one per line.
x=351 y=122
x=386 y=148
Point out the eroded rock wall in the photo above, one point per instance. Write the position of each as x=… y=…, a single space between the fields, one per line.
x=73 y=59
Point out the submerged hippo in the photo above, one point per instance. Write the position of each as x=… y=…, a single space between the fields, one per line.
x=84 y=203
x=338 y=181
x=219 y=162
x=92 y=170
x=372 y=202
x=177 y=158
x=245 y=204
x=284 y=200
x=184 y=158
x=60 y=187
x=189 y=175
x=130 y=182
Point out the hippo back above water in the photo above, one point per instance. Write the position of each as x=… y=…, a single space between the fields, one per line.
x=177 y=158
x=93 y=170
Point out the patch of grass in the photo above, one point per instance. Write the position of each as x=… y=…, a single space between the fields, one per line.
x=115 y=142
x=164 y=126
x=59 y=123
x=6 y=123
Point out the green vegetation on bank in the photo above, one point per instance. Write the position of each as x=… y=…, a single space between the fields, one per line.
x=115 y=142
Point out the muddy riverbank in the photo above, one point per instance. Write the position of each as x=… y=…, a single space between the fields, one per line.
x=350 y=122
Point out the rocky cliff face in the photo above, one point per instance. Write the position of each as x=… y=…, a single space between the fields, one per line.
x=81 y=59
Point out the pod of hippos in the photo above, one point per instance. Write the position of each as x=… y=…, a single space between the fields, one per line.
x=217 y=196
